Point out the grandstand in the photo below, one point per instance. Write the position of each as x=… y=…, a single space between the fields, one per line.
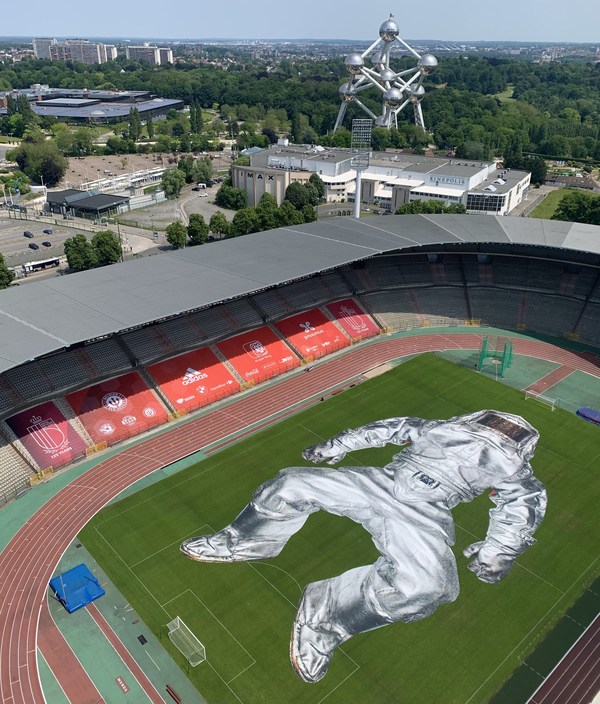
x=93 y=358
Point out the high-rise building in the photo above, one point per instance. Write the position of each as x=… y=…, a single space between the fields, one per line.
x=152 y=54
x=166 y=55
x=41 y=47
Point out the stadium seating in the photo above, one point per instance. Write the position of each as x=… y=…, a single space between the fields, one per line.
x=243 y=314
x=181 y=333
x=15 y=473
x=394 y=309
x=589 y=326
x=441 y=305
x=273 y=304
x=554 y=315
x=495 y=306
x=336 y=285
x=63 y=370
x=147 y=344
x=29 y=380
x=107 y=356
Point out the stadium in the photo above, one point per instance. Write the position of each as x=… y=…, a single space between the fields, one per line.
x=175 y=367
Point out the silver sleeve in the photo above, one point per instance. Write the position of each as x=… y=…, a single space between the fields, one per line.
x=395 y=431
x=520 y=505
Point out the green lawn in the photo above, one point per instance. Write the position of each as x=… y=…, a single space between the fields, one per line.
x=506 y=94
x=546 y=208
x=243 y=612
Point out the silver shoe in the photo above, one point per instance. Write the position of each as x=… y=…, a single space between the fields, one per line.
x=209 y=548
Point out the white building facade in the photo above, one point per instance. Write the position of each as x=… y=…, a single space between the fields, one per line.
x=391 y=180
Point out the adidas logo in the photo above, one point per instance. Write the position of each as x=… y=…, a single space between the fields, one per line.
x=192 y=377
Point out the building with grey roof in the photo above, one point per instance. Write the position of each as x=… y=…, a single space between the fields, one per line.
x=392 y=178
x=58 y=313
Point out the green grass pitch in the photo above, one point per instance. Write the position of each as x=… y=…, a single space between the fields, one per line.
x=243 y=612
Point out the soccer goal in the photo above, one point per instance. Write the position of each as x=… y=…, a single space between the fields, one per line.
x=551 y=402
x=186 y=642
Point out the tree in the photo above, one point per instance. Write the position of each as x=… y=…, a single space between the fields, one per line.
x=107 y=247
x=577 y=206
x=172 y=182
x=267 y=212
x=416 y=207
x=80 y=253
x=288 y=215
x=309 y=213
x=135 y=124
x=297 y=195
x=6 y=275
x=40 y=160
x=244 y=222
x=219 y=224
x=317 y=182
x=231 y=198
x=197 y=229
x=202 y=169
x=176 y=234
x=150 y=126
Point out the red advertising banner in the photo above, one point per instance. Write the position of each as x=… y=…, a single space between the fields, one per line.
x=117 y=409
x=47 y=436
x=312 y=334
x=194 y=379
x=353 y=319
x=258 y=355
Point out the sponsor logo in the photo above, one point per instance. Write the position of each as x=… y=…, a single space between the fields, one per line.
x=128 y=420
x=201 y=389
x=149 y=412
x=287 y=359
x=256 y=350
x=106 y=429
x=184 y=400
x=114 y=402
x=47 y=435
x=307 y=327
x=192 y=377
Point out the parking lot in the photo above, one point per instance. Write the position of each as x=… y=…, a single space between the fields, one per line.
x=15 y=246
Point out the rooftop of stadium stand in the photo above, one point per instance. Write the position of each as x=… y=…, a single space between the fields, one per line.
x=47 y=316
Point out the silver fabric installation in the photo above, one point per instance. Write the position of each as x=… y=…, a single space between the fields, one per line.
x=406 y=507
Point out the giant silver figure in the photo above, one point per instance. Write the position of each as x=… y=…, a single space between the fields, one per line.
x=405 y=506
x=398 y=89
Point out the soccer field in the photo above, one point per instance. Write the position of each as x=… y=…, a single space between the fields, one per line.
x=243 y=612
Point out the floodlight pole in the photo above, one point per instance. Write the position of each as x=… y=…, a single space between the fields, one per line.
x=361 y=149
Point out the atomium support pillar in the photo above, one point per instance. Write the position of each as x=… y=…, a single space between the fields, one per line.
x=398 y=89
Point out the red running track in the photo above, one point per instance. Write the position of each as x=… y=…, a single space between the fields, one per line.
x=30 y=559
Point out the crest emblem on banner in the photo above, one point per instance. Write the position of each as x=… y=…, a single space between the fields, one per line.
x=47 y=434
x=114 y=401
x=255 y=349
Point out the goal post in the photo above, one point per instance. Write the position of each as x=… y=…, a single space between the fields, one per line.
x=546 y=400
x=186 y=642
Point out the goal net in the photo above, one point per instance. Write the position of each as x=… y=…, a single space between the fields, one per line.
x=551 y=402
x=186 y=642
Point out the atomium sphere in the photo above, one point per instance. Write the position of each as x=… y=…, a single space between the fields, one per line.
x=389 y=30
x=376 y=58
x=347 y=94
x=387 y=75
x=393 y=98
x=354 y=63
x=427 y=63
x=416 y=94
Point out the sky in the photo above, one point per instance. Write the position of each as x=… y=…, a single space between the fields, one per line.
x=557 y=21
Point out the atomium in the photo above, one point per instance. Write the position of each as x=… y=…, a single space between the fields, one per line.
x=371 y=69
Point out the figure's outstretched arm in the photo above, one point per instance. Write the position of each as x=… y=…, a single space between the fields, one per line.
x=397 y=431
x=519 y=510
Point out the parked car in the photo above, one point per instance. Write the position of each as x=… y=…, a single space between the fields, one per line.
x=28 y=234
x=203 y=195
x=47 y=244
x=33 y=245
x=47 y=232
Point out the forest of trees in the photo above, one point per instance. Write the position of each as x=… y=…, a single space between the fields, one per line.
x=554 y=110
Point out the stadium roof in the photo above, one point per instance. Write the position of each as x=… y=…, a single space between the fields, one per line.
x=44 y=317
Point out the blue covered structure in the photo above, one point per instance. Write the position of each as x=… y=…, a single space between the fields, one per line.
x=76 y=587
x=589 y=414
